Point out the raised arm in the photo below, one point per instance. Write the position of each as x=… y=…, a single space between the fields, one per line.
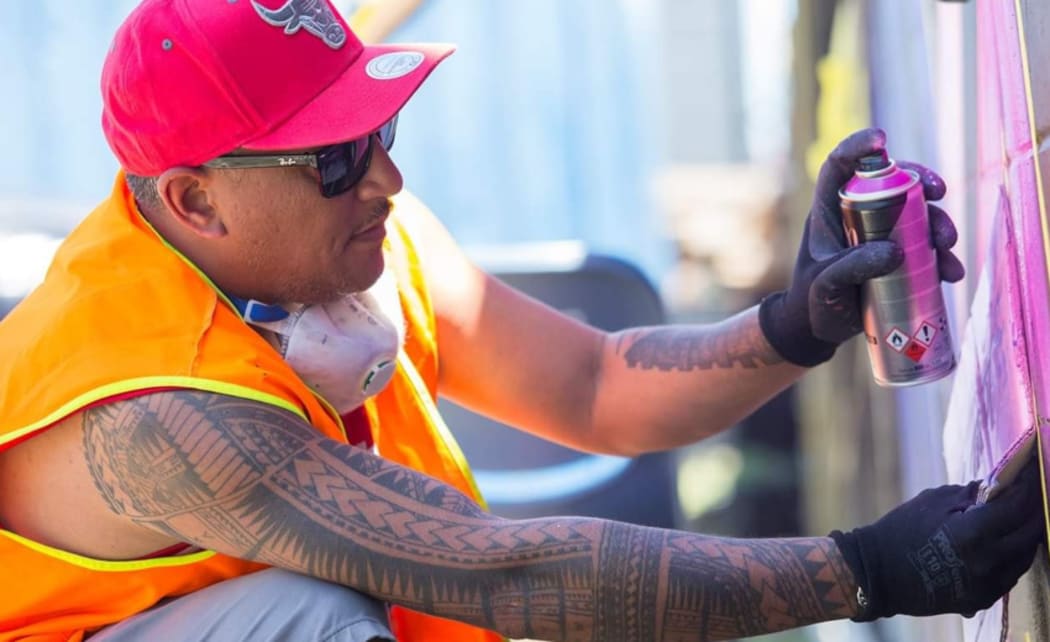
x=258 y=483
x=649 y=389
x=639 y=390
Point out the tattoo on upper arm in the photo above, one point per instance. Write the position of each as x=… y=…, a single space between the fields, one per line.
x=254 y=482
x=695 y=348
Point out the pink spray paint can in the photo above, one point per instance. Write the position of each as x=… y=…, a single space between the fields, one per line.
x=905 y=321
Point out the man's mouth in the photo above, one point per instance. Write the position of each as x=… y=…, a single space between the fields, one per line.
x=376 y=220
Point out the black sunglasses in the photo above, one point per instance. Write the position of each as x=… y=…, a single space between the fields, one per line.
x=340 y=166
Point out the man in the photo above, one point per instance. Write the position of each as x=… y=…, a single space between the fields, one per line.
x=194 y=392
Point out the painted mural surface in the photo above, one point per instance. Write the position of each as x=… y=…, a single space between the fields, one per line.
x=994 y=415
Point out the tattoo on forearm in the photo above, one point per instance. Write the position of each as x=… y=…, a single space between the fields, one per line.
x=256 y=483
x=687 y=348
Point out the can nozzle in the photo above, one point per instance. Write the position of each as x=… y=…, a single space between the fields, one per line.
x=874 y=162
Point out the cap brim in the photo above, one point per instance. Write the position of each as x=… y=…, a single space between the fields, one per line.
x=358 y=102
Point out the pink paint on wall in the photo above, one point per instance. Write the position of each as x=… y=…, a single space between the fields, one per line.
x=990 y=409
x=1009 y=222
x=1001 y=385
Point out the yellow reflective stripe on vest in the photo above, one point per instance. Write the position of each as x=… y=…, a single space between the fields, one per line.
x=449 y=442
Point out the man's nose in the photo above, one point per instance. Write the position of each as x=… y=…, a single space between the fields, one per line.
x=383 y=179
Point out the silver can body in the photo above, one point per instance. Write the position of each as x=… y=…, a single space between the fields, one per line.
x=905 y=320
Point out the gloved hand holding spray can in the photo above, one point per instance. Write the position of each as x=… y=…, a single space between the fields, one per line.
x=905 y=321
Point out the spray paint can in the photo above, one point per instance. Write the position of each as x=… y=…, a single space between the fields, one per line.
x=905 y=321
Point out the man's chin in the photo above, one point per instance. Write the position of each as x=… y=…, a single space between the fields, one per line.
x=357 y=278
x=364 y=277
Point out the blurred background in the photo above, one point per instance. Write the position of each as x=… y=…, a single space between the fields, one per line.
x=670 y=146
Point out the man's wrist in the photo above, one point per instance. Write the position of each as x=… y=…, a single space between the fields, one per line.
x=789 y=334
x=849 y=547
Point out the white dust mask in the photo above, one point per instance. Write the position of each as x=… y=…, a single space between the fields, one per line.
x=345 y=350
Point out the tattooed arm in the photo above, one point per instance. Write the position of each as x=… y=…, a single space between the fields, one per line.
x=636 y=391
x=255 y=482
x=697 y=380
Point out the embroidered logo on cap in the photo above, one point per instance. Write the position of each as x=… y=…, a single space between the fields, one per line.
x=313 y=15
x=393 y=65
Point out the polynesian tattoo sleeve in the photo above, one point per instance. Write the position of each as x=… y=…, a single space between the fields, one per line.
x=256 y=482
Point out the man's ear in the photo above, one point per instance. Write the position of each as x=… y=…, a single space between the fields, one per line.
x=185 y=192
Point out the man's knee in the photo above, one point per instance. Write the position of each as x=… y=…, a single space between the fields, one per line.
x=270 y=605
x=310 y=608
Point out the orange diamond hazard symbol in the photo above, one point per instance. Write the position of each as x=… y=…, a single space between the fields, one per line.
x=914 y=350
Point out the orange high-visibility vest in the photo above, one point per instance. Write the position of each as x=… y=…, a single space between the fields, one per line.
x=120 y=312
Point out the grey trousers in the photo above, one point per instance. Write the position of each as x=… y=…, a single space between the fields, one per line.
x=268 y=606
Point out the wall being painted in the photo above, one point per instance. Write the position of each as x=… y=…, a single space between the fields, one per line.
x=973 y=101
x=1000 y=394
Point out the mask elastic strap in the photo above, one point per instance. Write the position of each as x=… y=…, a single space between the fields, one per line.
x=258 y=312
x=269 y=317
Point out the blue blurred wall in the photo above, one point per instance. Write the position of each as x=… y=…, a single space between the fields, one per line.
x=51 y=54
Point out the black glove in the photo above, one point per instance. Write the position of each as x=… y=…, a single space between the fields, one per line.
x=942 y=553
x=821 y=308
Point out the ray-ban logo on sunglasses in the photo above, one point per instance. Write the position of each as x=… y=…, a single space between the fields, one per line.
x=313 y=15
x=393 y=65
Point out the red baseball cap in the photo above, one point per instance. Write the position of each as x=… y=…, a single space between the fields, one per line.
x=186 y=81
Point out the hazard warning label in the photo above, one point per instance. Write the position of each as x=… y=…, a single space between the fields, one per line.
x=897 y=339
x=925 y=334
x=914 y=351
